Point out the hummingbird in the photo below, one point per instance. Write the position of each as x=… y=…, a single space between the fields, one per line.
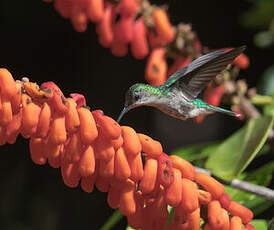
x=177 y=97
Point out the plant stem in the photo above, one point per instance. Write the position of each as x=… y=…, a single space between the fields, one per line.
x=243 y=185
x=112 y=220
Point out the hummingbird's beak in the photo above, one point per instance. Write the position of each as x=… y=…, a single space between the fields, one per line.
x=125 y=110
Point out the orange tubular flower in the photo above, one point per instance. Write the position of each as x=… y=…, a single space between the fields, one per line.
x=150 y=147
x=104 y=27
x=119 y=49
x=73 y=149
x=127 y=200
x=72 y=120
x=30 y=116
x=155 y=40
x=204 y=197
x=7 y=85
x=103 y=148
x=165 y=170
x=186 y=168
x=235 y=223
x=113 y=198
x=139 y=45
x=109 y=127
x=36 y=147
x=242 y=61
x=213 y=95
x=87 y=162
x=44 y=121
x=148 y=181
x=225 y=201
x=162 y=25
x=102 y=184
x=244 y=213
x=136 y=220
x=121 y=166
x=70 y=174
x=189 y=201
x=87 y=183
x=136 y=167
x=215 y=215
x=128 y=7
x=5 y=111
x=117 y=143
x=3 y=139
x=215 y=188
x=79 y=19
x=64 y=7
x=88 y=129
x=123 y=29
x=95 y=10
x=57 y=133
x=173 y=193
x=131 y=145
x=156 y=68
x=13 y=128
x=106 y=168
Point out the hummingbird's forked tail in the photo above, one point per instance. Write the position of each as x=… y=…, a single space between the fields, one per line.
x=225 y=111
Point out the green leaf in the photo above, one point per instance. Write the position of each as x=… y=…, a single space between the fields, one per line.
x=129 y=228
x=171 y=213
x=261 y=176
x=259 y=15
x=236 y=152
x=196 y=152
x=263 y=39
x=259 y=224
x=266 y=85
x=112 y=220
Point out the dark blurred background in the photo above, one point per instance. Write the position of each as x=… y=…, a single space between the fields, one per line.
x=36 y=42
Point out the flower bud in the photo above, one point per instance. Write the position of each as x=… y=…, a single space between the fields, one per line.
x=121 y=166
x=87 y=162
x=88 y=130
x=139 y=44
x=215 y=188
x=186 y=168
x=162 y=25
x=173 y=193
x=156 y=68
x=132 y=145
x=148 y=181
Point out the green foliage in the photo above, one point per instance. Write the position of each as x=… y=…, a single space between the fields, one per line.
x=196 y=152
x=235 y=153
x=259 y=15
x=259 y=224
x=263 y=39
x=261 y=176
x=112 y=220
x=266 y=85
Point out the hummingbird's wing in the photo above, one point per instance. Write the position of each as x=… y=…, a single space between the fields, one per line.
x=193 y=78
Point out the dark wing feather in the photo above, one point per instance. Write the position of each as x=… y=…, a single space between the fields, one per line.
x=193 y=65
x=194 y=77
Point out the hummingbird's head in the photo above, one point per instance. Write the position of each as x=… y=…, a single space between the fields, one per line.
x=137 y=95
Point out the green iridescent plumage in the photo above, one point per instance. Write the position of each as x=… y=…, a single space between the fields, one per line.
x=177 y=97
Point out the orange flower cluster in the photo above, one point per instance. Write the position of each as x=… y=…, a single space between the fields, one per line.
x=122 y=25
x=91 y=148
